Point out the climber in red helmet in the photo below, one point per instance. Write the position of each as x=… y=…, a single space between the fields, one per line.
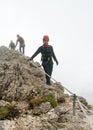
x=47 y=57
x=46 y=37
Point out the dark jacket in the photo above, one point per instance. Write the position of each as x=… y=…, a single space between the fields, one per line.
x=47 y=54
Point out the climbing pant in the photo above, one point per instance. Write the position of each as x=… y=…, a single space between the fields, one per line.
x=22 y=49
x=48 y=68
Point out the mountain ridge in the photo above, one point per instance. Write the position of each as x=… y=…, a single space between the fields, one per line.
x=30 y=103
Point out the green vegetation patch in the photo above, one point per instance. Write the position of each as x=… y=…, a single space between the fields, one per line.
x=37 y=101
x=8 y=112
x=3 y=112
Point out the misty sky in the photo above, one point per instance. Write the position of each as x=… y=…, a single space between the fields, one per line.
x=69 y=24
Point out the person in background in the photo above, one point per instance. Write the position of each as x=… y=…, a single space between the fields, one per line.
x=21 y=43
x=47 y=56
x=12 y=45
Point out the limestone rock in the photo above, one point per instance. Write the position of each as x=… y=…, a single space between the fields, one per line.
x=20 y=80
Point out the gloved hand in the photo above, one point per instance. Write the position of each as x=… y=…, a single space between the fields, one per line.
x=30 y=59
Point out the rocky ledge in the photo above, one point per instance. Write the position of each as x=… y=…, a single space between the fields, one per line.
x=27 y=103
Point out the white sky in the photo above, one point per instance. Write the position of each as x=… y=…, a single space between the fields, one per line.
x=69 y=24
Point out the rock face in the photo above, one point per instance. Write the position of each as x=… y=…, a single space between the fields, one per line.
x=41 y=107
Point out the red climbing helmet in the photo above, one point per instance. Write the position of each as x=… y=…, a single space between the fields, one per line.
x=46 y=37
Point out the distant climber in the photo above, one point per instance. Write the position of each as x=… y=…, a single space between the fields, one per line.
x=47 y=53
x=21 y=43
x=12 y=45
